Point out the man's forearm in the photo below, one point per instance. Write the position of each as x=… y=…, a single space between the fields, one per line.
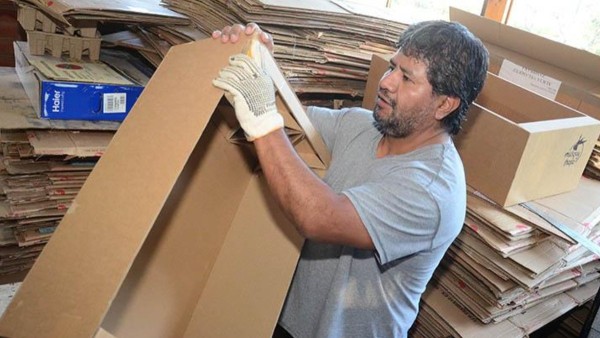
x=317 y=211
x=297 y=189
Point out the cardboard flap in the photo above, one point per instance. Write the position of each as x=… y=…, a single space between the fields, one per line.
x=565 y=123
x=294 y=107
x=522 y=42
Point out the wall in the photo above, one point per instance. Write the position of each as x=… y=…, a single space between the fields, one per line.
x=9 y=31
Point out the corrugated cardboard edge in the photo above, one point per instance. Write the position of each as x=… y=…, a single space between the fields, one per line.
x=295 y=107
x=579 y=88
x=107 y=228
x=532 y=45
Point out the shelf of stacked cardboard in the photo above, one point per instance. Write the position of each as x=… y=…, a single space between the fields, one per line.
x=593 y=167
x=43 y=164
x=510 y=272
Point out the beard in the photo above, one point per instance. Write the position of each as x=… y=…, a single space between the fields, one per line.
x=396 y=124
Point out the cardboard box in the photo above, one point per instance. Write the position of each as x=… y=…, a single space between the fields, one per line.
x=565 y=74
x=61 y=89
x=174 y=234
x=517 y=146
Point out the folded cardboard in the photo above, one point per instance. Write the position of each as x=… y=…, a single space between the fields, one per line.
x=517 y=146
x=56 y=44
x=67 y=90
x=32 y=19
x=174 y=234
x=565 y=74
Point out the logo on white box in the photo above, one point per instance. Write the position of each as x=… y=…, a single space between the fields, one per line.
x=573 y=155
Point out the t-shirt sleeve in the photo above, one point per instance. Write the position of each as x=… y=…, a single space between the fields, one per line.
x=401 y=217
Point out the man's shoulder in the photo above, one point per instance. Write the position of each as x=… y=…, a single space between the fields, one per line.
x=345 y=119
x=353 y=111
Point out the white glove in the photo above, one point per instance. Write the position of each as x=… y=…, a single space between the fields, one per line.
x=253 y=96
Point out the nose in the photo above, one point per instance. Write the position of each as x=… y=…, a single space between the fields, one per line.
x=387 y=82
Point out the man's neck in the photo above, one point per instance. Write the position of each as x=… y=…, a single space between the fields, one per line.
x=390 y=146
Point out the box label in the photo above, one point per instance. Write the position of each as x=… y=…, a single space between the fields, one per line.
x=530 y=79
x=114 y=103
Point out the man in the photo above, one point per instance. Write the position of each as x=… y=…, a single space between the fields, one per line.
x=393 y=199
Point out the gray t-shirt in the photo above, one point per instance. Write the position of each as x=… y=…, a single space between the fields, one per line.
x=413 y=206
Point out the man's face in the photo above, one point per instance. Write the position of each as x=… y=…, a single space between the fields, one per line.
x=406 y=102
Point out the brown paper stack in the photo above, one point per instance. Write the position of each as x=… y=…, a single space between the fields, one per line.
x=323 y=47
x=42 y=172
x=592 y=169
x=512 y=270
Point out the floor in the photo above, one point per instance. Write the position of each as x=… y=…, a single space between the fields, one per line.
x=7 y=292
x=553 y=330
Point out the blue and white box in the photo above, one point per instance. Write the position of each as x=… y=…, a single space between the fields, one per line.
x=83 y=90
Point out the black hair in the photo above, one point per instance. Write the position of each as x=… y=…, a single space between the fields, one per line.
x=457 y=63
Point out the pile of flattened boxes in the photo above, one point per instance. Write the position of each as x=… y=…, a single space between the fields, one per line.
x=46 y=35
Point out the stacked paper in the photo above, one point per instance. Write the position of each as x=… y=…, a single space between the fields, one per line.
x=152 y=42
x=514 y=269
x=593 y=167
x=70 y=12
x=41 y=173
x=323 y=47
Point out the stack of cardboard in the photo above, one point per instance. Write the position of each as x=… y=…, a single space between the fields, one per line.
x=515 y=294
x=593 y=167
x=71 y=28
x=69 y=13
x=322 y=46
x=152 y=42
x=440 y=317
x=40 y=174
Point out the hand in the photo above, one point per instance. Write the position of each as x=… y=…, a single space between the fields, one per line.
x=253 y=96
x=232 y=34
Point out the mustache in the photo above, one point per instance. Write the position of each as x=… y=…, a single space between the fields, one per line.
x=384 y=95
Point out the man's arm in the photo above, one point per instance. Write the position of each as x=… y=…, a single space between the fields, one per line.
x=314 y=208
x=317 y=211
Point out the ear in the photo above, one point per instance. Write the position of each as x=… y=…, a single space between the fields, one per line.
x=447 y=105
